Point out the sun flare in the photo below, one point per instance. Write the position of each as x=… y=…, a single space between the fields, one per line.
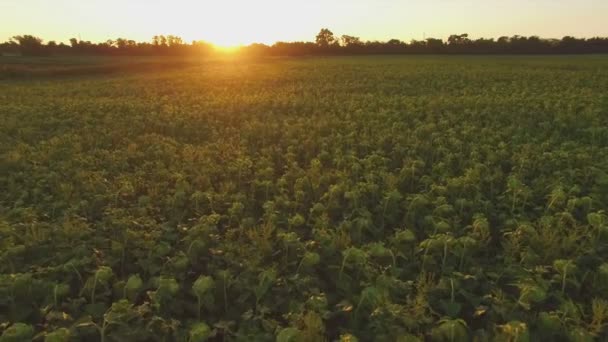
x=227 y=49
x=226 y=24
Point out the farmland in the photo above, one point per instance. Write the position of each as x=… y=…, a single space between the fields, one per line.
x=305 y=199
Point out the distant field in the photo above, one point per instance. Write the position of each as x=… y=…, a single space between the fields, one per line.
x=338 y=199
x=16 y=67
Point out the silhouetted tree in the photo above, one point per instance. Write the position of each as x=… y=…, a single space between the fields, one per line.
x=121 y=43
x=459 y=39
x=325 y=44
x=9 y=47
x=174 y=41
x=30 y=45
x=350 y=41
x=325 y=38
x=434 y=45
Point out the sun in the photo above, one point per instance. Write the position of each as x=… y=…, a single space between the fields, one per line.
x=232 y=23
x=228 y=49
x=226 y=24
x=230 y=35
x=227 y=40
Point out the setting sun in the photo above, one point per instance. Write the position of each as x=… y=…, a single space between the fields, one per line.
x=225 y=24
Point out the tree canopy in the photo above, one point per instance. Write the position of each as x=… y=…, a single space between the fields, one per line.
x=325 y=43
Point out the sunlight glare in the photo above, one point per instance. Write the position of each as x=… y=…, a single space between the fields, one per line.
x=229 y=24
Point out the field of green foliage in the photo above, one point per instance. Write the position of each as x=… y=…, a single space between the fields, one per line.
x=314 y=199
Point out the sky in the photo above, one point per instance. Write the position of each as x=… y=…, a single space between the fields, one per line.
x=235 y=22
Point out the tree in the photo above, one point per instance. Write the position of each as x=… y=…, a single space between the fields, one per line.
x=434 y=45
x=393 y=46
x=350 y=41
x=174 y=41
x=9 y=47
x=30 y=45
x=121 y=43
x=459 y=39
x=570 y=44
x=325 y=38
x=326 y=43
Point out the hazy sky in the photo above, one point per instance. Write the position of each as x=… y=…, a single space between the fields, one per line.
x=231 y=22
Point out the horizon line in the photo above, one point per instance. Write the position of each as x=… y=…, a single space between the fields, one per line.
x=337 y=36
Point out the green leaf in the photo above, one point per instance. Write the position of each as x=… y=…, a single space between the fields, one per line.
x=104 y=274
x=121 y=312
x=288 y=335
x=202 y=285
x=265 y=281
x=133 y=286
x=579 y=334
x=180 y=262
x=408 y=338
x=311 y=259
x=167 y=287
x=354 y=256
x=451 y=331
x=59 y=335
x=200 y=332
x=405 y=236
x=564 y=267
x=451 y=309
x=297 y=221
x=60 y=291
x=372 y=295
x=378 y=250
x=531 y=294
x=18 y=332
x=549 y=324
x=166 y=291
x=596 y=220
x=603 y=270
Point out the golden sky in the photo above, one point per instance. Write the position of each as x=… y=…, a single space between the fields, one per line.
x=234 y=22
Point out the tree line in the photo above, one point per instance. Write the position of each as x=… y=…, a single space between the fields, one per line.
x=29 y=45
x=325 y=43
